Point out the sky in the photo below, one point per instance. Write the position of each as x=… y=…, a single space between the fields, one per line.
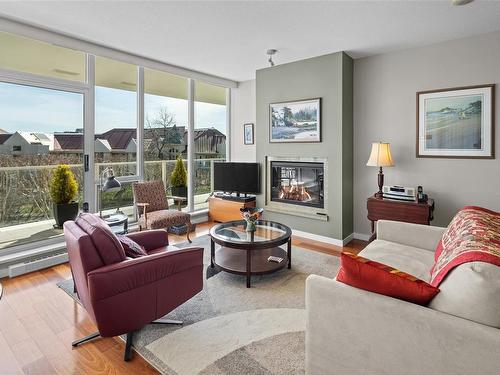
x=456 y=102
x=31 y=109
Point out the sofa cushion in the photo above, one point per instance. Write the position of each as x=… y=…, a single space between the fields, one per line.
x=376 y=277
x=412 y=260
x=105 y=241
x=132 y=248
x=471 y=291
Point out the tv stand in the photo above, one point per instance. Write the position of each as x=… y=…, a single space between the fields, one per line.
x=236 y=197
x=226 y=207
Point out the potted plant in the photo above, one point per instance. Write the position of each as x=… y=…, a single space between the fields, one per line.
x=63 y=190
x=178 y=179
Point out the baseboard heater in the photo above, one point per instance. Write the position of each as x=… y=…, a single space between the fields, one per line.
x=39 y=263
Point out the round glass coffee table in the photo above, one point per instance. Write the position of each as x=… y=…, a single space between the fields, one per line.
x=247 y=253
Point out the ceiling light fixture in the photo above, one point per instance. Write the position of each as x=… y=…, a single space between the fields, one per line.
x=461 y=2
x=270 y=53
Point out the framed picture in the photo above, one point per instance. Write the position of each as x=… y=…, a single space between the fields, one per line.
x=456 y=122
x=248 y=134
x=298 y=121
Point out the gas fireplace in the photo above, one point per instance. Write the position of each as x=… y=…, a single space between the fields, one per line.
x=298 y=183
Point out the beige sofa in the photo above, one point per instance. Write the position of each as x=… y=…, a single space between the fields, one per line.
x=351 y=331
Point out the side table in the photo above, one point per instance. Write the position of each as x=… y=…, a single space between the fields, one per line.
x=408 y=211
x=118 y=222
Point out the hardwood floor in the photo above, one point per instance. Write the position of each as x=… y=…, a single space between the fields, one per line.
x=38 y=322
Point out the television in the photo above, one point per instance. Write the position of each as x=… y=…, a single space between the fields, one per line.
x=237 y=177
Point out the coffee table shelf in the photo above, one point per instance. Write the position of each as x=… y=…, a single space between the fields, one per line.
x=244 y=253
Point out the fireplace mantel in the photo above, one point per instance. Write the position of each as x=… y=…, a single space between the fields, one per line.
x=302 y=187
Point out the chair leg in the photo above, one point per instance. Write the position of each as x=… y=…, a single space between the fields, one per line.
x=85 y=339
x=128 y=346
x=188 y=231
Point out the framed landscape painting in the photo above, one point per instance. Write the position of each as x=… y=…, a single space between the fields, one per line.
x=298 y=121
x=456 y=123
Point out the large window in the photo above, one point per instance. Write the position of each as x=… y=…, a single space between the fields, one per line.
x=48 y=116
x=115 y=146
x=210 y=131
x=40 y=128
x=165 y=124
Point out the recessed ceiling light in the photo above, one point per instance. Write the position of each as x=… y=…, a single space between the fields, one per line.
x=461 y=2
x=67 y=72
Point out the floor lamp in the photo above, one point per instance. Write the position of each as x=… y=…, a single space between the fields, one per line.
x=111 y=185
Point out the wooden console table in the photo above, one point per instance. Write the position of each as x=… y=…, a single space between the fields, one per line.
x=390 y=209
x=223 y=210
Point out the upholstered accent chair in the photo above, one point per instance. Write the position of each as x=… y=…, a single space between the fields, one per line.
x=122 y=294
x=153 y=210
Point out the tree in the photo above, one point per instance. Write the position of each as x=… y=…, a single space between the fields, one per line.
x=163 y=132
x=288 y=116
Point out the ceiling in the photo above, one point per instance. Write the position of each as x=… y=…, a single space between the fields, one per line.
x=229 y=39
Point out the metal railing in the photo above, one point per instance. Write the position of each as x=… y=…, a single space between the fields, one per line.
x=24 y=190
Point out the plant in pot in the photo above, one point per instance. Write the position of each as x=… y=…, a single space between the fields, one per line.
x=178 y=179
x=63 y=190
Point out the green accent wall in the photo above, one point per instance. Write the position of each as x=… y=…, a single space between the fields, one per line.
x=329 y=77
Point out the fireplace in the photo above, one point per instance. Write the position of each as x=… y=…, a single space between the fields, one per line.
x=297 y=185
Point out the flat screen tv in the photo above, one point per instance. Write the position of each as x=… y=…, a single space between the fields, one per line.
x=237 y=177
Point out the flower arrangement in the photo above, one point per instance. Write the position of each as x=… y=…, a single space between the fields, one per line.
x=251 y=215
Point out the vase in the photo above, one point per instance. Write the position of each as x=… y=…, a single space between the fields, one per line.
x=250 y=226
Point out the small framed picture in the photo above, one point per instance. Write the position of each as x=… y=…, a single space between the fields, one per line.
x=297 y=121
x=456 y=123
x=248 y=134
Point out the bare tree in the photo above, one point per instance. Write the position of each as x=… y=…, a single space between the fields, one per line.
x=163 y=131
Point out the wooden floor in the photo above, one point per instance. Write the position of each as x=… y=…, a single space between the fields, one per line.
x=38 y=322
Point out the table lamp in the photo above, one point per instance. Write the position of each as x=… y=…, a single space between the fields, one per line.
x=380 y=157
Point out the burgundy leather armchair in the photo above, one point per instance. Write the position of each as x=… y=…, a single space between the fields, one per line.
x=123 y=294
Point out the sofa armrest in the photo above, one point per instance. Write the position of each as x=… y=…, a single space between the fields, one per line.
x=130 y=274
x=150 y=239
x=422 y=236
x=352 y=331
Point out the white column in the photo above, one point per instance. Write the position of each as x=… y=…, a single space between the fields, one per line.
x=190 y=145
x=89 y=186
x=228 y=124
x=140 y=123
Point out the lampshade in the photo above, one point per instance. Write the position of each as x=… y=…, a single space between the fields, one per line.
x=111 y=185
x=380 y=155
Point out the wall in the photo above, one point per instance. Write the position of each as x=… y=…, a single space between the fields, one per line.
x=243 y=112
x=326 y=77
x=384 y=109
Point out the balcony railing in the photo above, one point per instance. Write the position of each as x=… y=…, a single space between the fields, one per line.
x=25 y=198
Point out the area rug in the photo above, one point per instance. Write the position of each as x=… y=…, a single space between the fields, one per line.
x=230 y=329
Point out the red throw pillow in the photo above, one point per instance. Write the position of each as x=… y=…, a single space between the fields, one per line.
x=132 y=248
x=376 y=277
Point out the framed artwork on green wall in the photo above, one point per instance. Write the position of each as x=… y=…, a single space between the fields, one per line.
x=297 y=121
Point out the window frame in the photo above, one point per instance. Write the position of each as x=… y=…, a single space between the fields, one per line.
x=87 y=89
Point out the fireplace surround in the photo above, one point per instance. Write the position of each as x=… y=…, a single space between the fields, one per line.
x=297 y=186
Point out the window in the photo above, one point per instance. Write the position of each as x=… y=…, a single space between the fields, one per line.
x=210 y=137
x=115 y=145
x=31 y=56
x=165 y=123
x=46 y=114
x=41 y=128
